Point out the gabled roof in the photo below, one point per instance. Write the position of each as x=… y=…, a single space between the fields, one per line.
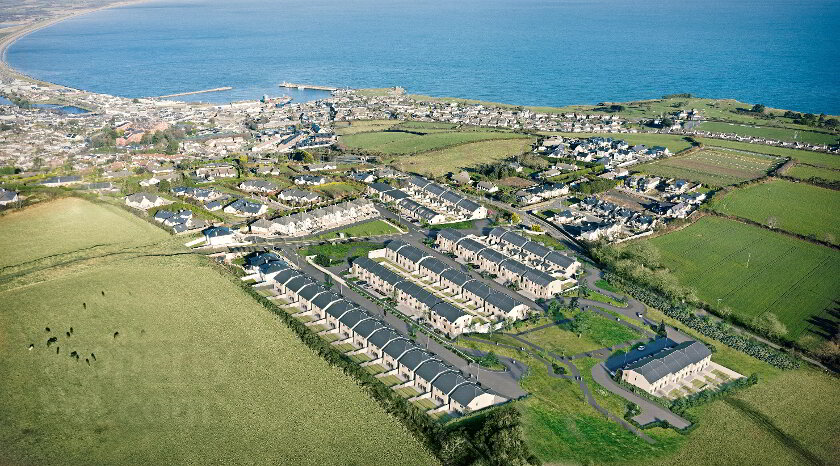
x=539 y=277
x=451 y=197
x=397 y=348
x=297 y=283
x=477 y=288
x=411 y=253
x=337 y=309
x=471 y=245
x=261 y=258
x=213 y=232
x=415 y=357
x=465 y=393
x=436 y=266
x=368 y=326
x=324 y=299
x=518 y=268
x=396 y=244
x=451 y=234
x=430 y=370
x=468 y=205
x=448 y=311
x=286 y=275
x=502 y=301
x=493 y=256
x=455 y=276
x=536 y=249
x=308 y=293
x=448 y=382
x=560 y=260
x=382 y=337
x=273 y=267
x=514 y=239
x=353 y=317
x=670 y=361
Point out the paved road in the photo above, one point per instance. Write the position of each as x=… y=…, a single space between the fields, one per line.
x=650 y=411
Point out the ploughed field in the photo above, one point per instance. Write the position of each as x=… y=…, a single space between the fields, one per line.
x=154 y=356
x=752 y=270
x=712 y=167
x=799 y=208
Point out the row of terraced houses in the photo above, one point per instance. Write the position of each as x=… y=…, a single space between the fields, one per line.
x=461 y=303
x=532 y=267
x=432 y=379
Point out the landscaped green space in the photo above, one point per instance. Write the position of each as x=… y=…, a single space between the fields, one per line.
x=711 y=167
x=795 y=207
x=394 y=142
x=562 y=341
x=338 y=189
x=341 y=251
x=819 y=159
x=605 y=285
x=462 y=225
x=368 y=228
x=362 y=126
x=454 y=159
x=547 y=240
x=176 y=363
x=808 y=172
x=752 y=271
x=768 y=132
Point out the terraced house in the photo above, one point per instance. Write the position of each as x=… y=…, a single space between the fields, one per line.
x=513 y=259
x=323 y=218
x=374 y=342
x=457 y=303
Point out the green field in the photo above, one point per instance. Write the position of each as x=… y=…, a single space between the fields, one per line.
x=808 y=172
x=362 y=126
x=198 y=373
x=410 y=143
x=454 y=159
x=370 y=228
x=819 y=159
x=711 y=167
x=796 y=207
x=341 y=251
x=768 y=132
x=338 y=189
x=752 y=271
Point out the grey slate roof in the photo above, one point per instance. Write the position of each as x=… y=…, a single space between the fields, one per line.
x=502 y=301
x=273 y=266
x=518 y=268
x=261 y=258
x=338 y=308
x=620 y=360
x=353 y=317
x=431 y=369
x=368 y=326
x=558 y=259
x=286 y=275
x=434 y=265
x=455 y=276
x=396 y=244
x=412 y=253
x=382 y=337
x=471 y=245
x=514 y=239
x=451 y=234
x=671 y=360
x=397 y=348
x=308 y=293
x=477 y=288
x=536 y=249
x=324 y=299
x=493 y=256
x=448 y=381
x=465 y=393
x=448 y=311
x=539 y=277
x=415 y=357
x=297 y=283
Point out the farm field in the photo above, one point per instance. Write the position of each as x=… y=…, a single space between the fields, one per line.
x=711 y=167
x=362 y=126
x=796 y=207
x=818 y=159
x=410 y=143
x=177 y=364
x=807 y=172
x=752 y=271
x=453 y=159
x=768 y=132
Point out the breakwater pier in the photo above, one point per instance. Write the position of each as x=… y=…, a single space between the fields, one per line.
x=308 y=86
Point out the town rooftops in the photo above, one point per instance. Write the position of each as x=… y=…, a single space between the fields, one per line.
x=493 y=256
x=618 y=361
x=477 y=288
x=397 y=348
x=412 y=253
x=338 y=308
x=368 y=326
x=286 y=275
x=242 y=205
x=471 y=245
x=412 y=359
x=518 y=268
x=383 y=337
x=431 y=369
x=539 y=277
x=536 y=249
x=670 y=360
x=381 y=187
x=310 y=292
x=468 y=205
x=558 y=259
x=434 y=265
x=502 y=301
x=324 y=299
x=297 y=283
x=396 y=244
x=455 y=276
x=214 y=232
x=261 y=258
x=353 y=317
x=272 y=267
x=448 y=381
x=451 y=234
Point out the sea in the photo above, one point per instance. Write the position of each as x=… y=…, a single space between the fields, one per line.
x=781 y=53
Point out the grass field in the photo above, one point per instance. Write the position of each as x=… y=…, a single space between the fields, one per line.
x=711 y=167
x=199 y=372
x=369 y=228
x=338 y=189
x=796 y=207
x=362 y=126
x=818 y=159
x=752 y=271
x=342 y=251
x=807 y=172
x=781 y=134
x=453 y=159
x=409 y=143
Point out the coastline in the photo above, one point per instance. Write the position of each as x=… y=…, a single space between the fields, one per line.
x=23 y=31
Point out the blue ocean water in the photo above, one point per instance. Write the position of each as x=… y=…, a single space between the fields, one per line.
x=782 y=53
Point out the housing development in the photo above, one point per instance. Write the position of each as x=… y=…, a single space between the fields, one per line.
x=407 y=279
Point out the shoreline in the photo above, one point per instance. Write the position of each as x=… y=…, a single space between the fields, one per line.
x=23 y=31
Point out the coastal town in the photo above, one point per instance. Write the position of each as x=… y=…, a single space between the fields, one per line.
x=486 y=283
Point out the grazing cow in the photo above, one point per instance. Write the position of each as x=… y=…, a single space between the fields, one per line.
x=31 y=346
x=47 y=329
x=103 y=293
x=51 y=341
x=93 y=356
x=67 y=333
x=116 y=334
x=84 y=305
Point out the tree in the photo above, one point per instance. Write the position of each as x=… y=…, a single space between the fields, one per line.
x=322 y=260
x=501 y=439
x=536 y=227
x=514 y=218
x=667 y=122
x=758 y=108
x=661 y=330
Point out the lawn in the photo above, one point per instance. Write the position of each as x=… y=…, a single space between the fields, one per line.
x=362 y=126
x=547 y=240
x=425 y=404
x=395 y=142
x=454 y=159
x=711 y=167
x=462 y=225
x=819 y=159
x=338 y=189
x=767 y=132
x=369 y=228
x=752 y=270
x=199 y=372
x=342 y=251
x=561 y=341
x=795 y=207
x=808 y=172
x=607 y=332
x=605 y=285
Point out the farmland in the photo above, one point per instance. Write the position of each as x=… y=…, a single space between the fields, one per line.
x=769 y=132
x=818 y=159
x=711 y=167
x=808 y=172
x=796 y=207
x=453 y=159
x=396 y=142
x=177 y=364
x=752 y=271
